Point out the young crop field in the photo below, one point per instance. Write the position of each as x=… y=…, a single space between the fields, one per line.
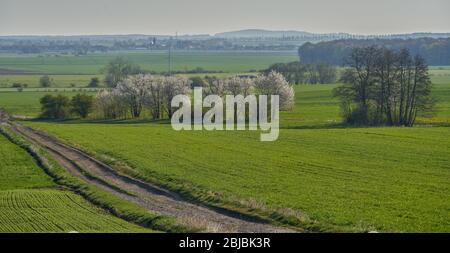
x=18 y=170
x=381 y=178
x=149 y=60
x=55 y=211
x=389 y=179
x=31 y=202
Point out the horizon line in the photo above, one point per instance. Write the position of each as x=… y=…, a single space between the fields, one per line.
x=214 y=34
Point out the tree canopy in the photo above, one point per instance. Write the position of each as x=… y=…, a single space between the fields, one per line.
x=382 y=86
x=434 y=51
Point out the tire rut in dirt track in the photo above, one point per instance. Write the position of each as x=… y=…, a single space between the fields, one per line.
x=148 y=196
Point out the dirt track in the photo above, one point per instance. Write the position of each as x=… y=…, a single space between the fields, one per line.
x=142 y=193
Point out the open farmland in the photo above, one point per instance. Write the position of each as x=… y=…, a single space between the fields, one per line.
x=400 y=182
x=157 y=61
x=31 y=202
x=225 y=125
x=384 y=178
x=336 y=177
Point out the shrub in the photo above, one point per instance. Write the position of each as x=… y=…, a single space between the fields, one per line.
x=197 y=81
x=45 y=81
x=55 y=107
x=81 y=105
x=94 y=82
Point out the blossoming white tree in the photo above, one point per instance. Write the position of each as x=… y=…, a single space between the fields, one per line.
x=155 y=95
x=137 y=92
x=172 y=86
x=216 y=87
x=109 y=104
x=134 y=90
x=239 y=86
x=275 y=84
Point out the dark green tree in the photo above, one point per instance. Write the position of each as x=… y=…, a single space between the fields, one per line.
x=55 y=107
x=45 y=81
x=81 y=105
x=382 y=86
x=118 y=69
x=94 y=83
x=297 y=73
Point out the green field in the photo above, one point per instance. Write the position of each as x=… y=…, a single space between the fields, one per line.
x=340 y=178
x=385 y=178
x=18 y=170
x=315 y=105
x=149 y=60
x=31 y=202
x=389 y=179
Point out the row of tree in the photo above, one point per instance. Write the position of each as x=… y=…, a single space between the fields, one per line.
x=132 y=95
x=383 y=86
x=61 y=107
x=434 y=51
x=118 y=69
x=138 y=92
x=299 y=73
x=46 y=81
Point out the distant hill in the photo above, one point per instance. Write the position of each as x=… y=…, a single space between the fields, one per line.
x=261 y=33
x=250 y=33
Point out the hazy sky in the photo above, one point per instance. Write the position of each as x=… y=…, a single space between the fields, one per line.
x=212 y=16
